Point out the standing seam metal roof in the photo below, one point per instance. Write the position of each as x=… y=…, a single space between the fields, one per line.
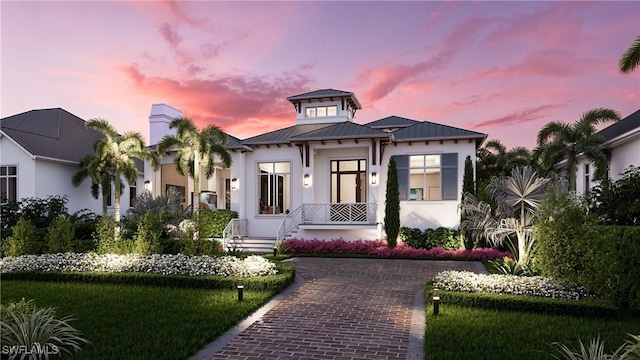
x=621 y=127
x=428 y=130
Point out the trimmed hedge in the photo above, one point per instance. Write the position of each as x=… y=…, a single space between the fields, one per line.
x=604 y=259
x=285 y=277
x=212 y=223
x=431 y=238
x=521 y=303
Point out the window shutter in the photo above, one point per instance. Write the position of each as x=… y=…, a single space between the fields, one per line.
x=402 y=166
x=449 y=165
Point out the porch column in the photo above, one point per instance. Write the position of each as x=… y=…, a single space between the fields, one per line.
x=307 y=170
x=241 y=176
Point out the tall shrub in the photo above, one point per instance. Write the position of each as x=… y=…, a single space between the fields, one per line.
x=392 y=205
x=468 y=187
x=148 y=235
x=24 y=240
x=60 y=235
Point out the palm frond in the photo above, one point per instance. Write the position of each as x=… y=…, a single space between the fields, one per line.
x=631 y=58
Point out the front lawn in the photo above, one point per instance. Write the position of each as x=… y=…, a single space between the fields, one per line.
x=140 y=322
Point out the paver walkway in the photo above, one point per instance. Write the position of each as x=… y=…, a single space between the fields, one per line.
x=340 y=309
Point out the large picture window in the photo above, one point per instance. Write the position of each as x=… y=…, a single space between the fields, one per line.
x=321 y=111
x=429 y=177
x=274 y=193
x=8 y=184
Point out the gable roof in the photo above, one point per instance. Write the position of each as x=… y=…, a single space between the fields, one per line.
x=282 y=136
x=324 y=94
x=428 y=131
x=51 y=133
x=392 y=122
x=630 y=123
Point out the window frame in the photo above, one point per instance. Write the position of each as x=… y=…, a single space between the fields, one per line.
x=315 y=111
x=272 y=198
x=448 y=171
x=9 y=188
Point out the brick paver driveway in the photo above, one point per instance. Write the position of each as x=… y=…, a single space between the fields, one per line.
x=343 y=309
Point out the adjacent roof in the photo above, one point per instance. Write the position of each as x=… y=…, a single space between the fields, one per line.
x=428 y=130
x=51 y=133
x=392 y=122
x=622 y=127
x=283 y=135
x=326 y=94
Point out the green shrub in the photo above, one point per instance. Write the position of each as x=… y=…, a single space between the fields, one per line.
x=9 y=214
x=60 y=236
x=105 y=237
x=430 y=238
x=604 y=259
x=24 y=240
x=212 y=223
x=148 y=235
x=392 y=205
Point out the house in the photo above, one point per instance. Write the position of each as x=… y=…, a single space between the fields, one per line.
x=622 y=142
x=325 y=177
x=40 y=151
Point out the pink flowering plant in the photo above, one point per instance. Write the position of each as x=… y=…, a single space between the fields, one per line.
x=379 y=249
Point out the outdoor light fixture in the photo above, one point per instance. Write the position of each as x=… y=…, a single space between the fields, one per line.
x=147 y=185
x=240 y=289
x=234 y=184
x=307 y=180
x=374 y=178
x=436 y=301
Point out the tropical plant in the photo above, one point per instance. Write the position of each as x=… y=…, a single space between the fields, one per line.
x=630 y=60
x=148 y=235
x=114 y=152
x=281 y=247
x=392 y=205
x=37 y=330
x=194 y=151
x=558 y=141
x=164 y=206
x=517 y=199
x=493 y=159
x=91 y=165
x=617 y=202
x=630 y=350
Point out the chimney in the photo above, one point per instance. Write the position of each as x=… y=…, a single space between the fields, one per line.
x=159 y=119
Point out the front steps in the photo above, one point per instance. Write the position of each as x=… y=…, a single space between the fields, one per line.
x=253 y=245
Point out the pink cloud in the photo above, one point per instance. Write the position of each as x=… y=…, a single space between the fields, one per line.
x=628 y=95
x=242 y=105
x=519 y=117
x=170 y=35
x=177 y=9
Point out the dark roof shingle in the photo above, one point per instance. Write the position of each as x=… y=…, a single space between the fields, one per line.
x=51 y=133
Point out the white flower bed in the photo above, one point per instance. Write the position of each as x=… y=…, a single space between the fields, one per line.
x=162 y=264
x=507 y=284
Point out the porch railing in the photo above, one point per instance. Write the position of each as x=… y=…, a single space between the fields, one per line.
x=329 y=214
x=234 y=229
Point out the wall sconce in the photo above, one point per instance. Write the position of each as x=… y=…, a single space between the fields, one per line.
x=436 y=301
x=307 y=180
x=147 y=185
x=374 y=178
x=234 y=184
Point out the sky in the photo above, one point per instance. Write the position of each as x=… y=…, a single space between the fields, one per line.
x=504 y=68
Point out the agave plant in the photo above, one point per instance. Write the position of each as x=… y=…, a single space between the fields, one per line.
x=24 y=326
x=167 y=204
x=281 y=247
x=595 y=351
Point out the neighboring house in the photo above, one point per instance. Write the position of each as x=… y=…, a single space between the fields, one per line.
x=39 y=153
x=325 y=177
x=622 y=141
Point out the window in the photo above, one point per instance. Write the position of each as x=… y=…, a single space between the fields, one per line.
x=274 y=193
x=227 y=194
x=133 y=193
x=322 y=111
x=8 y=184
x=587 y=178
x=427 y=177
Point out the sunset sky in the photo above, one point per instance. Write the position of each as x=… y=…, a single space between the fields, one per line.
x=502 y=68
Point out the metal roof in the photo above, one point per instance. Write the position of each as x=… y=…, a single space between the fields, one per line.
x=621 y=127
x=282 y=136
x=51 y=133
x=342 y=130
x=392 y=122
x=326 y=94
x=428 y=130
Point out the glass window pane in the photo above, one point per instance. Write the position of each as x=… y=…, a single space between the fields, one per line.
x=311 y=112
x=416 y=161
x=432 y=191
x=282 y=168
x=265 y=167
x=334 y=166
x=432 y=160
x=3 y=170
x=349 y=165
x=12 y=170
x=321 y=111
x=332 y=111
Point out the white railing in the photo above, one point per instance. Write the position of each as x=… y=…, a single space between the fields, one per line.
x=234 y=229
x=290 y=223
x=329 y=214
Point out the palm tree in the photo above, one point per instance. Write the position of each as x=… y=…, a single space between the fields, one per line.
x=116 y=153
x=517 y=198
x=558 y=141
x=101 y=176
x=631 y=58
x=194 y=151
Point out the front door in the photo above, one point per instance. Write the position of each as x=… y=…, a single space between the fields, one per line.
x=348 y=187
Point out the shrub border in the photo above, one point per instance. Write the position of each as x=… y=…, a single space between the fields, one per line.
x=285 y=277
x=523 y=303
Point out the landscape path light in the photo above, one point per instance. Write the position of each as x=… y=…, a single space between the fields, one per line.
x=240 y=289
x=436 y=301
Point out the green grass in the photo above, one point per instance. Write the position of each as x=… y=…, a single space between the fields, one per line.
x=139 y=322
x=469 y=333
